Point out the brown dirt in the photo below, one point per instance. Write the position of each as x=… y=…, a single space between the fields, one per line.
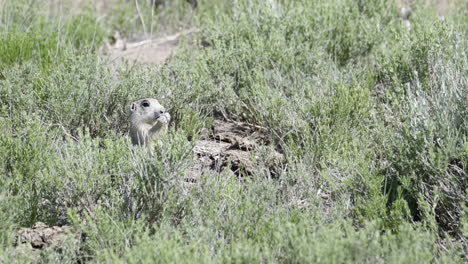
x=32 y=241
x=236 y=146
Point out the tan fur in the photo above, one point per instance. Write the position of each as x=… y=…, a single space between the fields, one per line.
x=147 y=119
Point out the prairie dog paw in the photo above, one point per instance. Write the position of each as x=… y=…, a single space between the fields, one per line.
x=165 y=118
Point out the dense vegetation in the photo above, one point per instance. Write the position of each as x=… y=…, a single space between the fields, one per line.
x=365 y=110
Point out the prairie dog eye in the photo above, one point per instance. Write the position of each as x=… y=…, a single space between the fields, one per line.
x=145 y=104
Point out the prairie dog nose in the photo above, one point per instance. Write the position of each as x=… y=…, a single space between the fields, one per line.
x=158 y=114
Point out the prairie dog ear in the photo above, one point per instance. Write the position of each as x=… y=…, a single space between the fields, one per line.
x=133 y=107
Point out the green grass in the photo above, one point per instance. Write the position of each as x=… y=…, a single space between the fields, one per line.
x=364 y=110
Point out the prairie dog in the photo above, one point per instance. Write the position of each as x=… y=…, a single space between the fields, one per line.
x=147 y=119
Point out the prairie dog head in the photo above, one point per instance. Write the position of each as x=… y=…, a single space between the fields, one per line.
x=147 y=118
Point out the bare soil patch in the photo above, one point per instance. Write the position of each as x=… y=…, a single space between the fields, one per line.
x=30 y=242
x=236 y=146
x=150 y=51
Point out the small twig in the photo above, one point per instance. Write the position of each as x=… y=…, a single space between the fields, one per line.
x=67 y=133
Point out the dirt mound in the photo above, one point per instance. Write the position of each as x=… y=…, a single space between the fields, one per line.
x=31 y=241
x=239 y=147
